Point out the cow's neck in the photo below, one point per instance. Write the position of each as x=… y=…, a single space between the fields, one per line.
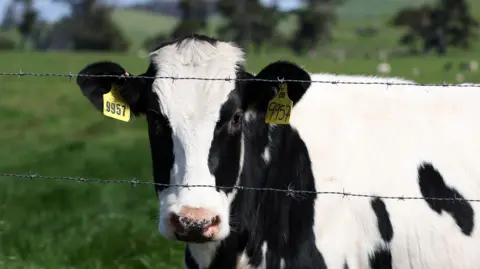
x=262 y=219
x=278 y=160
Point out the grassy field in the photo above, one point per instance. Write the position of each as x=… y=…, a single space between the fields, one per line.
x=49 y=128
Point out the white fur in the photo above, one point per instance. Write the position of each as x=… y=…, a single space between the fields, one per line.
x=192 y=108
x=370 y=139
x=204 y=253
x=244 y=261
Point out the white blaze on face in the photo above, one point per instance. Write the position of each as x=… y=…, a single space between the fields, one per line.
x=192 y=108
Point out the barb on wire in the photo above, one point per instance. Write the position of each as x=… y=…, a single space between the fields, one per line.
x=71 y=75
x=289 y=191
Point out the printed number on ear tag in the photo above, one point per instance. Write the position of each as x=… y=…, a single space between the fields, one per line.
x=115 y=107
x=280 y=107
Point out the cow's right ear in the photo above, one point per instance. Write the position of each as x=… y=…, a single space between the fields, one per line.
x=258 y=93
x=131 y=90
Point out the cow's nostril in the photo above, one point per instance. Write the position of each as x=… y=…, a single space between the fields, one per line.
x=215 y=221
x=174 y=219
x=176 y=222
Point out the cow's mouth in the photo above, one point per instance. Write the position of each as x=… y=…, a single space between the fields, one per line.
x=188 y=230
x=193 y=236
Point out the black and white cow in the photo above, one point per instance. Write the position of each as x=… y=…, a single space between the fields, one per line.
x=368 y=139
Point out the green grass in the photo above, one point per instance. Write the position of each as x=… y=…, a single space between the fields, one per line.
x=49 y=128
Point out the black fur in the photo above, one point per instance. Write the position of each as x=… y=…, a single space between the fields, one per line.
x=381 y=258
x=189 y=260
x=432 y=185
x=383 y=219
x=161 y=146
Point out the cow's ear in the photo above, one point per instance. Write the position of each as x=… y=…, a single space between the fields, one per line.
x=258 y=93
x=131 y=90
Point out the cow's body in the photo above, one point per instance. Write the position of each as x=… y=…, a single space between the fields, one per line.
x=379 y=141
x=348 y=138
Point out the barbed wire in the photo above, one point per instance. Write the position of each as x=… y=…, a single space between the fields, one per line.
x=289 y=191
x=70 y=76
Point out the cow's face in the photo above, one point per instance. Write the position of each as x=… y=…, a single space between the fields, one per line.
x=197 y=128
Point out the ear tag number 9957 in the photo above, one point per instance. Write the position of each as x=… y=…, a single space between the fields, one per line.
x=280 y=107
x=115 y=107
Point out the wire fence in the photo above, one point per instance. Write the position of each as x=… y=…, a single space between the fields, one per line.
x=289 y=191
x=70 y=76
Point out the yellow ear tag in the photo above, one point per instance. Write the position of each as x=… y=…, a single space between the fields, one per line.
x=280 y=107
x=115 y=107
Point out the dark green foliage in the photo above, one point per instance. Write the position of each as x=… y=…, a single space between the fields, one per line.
x=6 y=44
x=28 y=20
x=249 y=22
x=460 y=23
x=315 y=22
x=414 y=19
x=194 y=18
x=449 y=22
x=91 y=27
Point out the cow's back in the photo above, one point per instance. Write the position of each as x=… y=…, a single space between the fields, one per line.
x=400 y=141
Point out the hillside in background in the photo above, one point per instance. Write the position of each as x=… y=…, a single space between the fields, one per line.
x=139 y=24
x=363 y=9
x=351 y=9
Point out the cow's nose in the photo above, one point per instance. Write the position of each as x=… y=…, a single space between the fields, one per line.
x=195 y=225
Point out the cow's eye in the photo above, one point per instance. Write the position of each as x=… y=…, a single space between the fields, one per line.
x=236 y=119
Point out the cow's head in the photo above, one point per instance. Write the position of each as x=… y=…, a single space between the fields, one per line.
x=197 y=128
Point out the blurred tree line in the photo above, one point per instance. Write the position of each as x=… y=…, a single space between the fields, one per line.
x=448 y=23
x=253 y=25
x=89 y=26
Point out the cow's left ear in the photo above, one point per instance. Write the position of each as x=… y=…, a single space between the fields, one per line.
x=97 y=79
x=257 y=94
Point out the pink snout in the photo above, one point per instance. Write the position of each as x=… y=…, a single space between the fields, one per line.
x=197 y=225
